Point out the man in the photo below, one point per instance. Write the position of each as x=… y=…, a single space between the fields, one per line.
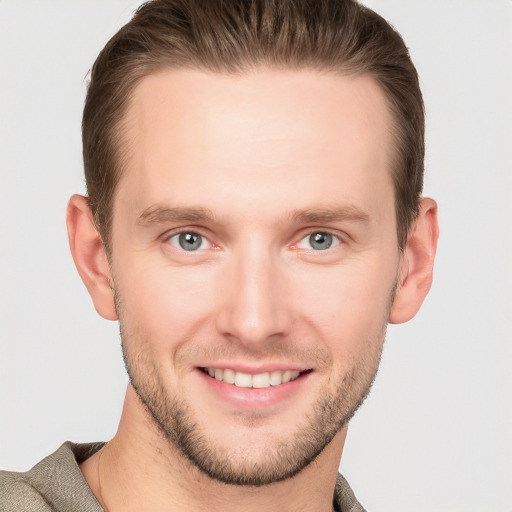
x=254 y=220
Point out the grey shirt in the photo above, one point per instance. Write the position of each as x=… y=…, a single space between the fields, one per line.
x=56 y=484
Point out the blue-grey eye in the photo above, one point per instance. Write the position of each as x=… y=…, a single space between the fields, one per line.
x=188 y=241
x=319 y=241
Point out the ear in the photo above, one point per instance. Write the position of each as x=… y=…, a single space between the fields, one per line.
x=89 y=256
x=417 y=264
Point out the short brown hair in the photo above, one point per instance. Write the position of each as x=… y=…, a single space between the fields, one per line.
x=234 y=36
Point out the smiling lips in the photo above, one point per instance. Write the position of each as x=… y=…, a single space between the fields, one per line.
x=247 y=380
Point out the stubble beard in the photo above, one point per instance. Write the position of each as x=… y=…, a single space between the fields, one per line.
x=329 y=414
x=286 y=457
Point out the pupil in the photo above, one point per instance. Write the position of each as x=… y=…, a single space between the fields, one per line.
x=189 y=241
x=320 y=241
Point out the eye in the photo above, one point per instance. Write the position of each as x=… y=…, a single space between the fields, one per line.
x=188 y=241
x=319 y=241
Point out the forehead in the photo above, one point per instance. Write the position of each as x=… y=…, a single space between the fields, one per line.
x=264 y=132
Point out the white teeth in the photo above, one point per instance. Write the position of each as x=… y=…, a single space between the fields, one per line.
x=276 y=378
x=287 y=375
x=229 y=376
x=261 y=380
x=243 y=380
x=246 y=380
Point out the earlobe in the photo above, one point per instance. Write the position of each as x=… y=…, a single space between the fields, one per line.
x=415 y=277
x=89 y=256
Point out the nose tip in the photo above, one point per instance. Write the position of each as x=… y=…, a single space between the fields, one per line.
x=254 y=307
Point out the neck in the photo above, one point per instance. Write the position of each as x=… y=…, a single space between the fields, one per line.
x=141 y=470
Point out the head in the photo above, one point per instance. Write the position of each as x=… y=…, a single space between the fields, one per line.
x=254 y=221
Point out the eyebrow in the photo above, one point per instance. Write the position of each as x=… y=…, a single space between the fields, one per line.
x=160 y=215
x=325 y=215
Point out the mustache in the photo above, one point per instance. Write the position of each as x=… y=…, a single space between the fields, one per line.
x=268 y=352
x=200 y=348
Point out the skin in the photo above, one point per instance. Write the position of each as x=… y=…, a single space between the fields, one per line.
x=272 y=157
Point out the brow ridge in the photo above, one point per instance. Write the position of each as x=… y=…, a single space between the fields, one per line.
x=162 y=214
x=336 y=214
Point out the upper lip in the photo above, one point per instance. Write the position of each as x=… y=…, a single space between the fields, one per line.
x=254 y=369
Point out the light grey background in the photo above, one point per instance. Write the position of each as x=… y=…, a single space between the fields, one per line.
x=436 y=434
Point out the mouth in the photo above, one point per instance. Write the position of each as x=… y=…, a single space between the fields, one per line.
x=258 y=381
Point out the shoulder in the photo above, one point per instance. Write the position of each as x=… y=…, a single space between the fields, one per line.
x=18 y=493
x=53 y=485
x=344 y=498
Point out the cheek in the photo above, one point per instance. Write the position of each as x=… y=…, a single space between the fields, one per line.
x=349 y=317
x=350 y=305
x=167 y=303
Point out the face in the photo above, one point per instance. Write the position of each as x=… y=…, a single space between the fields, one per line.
x=254 y=261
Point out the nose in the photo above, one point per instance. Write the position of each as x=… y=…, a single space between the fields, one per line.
x=254 y=307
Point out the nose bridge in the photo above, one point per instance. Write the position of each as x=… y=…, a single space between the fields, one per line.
x=254 y=308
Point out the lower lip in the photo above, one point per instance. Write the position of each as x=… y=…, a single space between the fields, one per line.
x=253 y=398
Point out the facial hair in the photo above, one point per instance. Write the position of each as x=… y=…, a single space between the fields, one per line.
x=283 y=459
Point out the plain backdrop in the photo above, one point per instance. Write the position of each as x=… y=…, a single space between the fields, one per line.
x=436 y=432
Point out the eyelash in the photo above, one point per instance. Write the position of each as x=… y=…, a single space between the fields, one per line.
x=168 y=236
x=336 y=240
